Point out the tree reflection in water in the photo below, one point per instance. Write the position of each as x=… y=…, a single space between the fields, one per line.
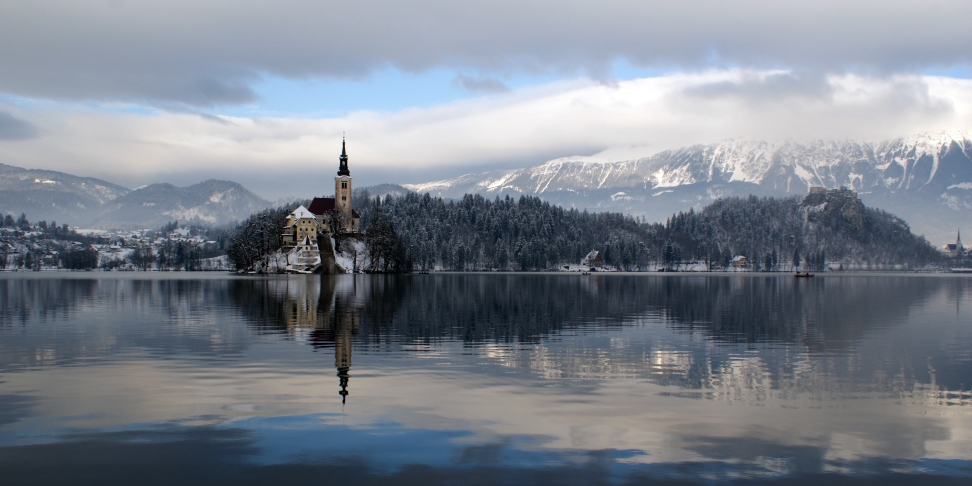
x=824 y=321
x=847 y=374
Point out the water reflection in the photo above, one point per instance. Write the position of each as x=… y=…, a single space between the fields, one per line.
x=809 y=333
x=503 y=378
x=822 y=314
x=737 y=337
x=48 y=320
x=337 y=331
x=324 y=312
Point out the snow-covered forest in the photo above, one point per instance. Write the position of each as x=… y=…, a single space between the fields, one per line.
x=476 y=233
x=420 y=232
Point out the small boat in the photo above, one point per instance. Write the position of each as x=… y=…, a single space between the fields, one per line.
x=802 y=275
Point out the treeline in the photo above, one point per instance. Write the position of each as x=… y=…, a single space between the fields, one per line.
x=45 y=245
x=181 y=254
x=52 y=254
x=421 y=232
x=42 y=230
x=527 y=234
x=476 y=233
x=32 y=246
x=781 y=234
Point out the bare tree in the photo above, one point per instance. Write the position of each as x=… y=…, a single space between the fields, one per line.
x=337 y=221
x=349 y=246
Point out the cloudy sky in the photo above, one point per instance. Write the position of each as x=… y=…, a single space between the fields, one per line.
x=142 y=91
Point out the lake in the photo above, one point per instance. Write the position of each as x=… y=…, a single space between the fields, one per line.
x=184 y=378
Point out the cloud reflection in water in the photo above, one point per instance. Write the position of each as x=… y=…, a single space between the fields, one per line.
x=507 y=378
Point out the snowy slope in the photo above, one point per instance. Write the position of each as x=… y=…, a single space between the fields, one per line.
x=211 y=202
x=84 y=201
x=906 y=163
x=926 y=178
x=50 y=195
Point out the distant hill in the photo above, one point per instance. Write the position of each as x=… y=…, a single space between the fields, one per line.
x=364 y=195
x=211 y=203
x=49 y=195
x=89 y=202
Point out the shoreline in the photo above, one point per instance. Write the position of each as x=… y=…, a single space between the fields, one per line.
x=212 y=274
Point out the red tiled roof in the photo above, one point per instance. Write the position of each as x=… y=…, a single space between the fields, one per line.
x=321 y=205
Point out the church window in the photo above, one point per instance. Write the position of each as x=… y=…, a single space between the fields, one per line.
x=344 y=185
x=344 y=198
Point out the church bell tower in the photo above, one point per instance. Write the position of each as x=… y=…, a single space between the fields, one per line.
x=342 y=188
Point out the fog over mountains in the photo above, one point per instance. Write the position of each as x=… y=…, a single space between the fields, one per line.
x=926 y=179
x=93 y=203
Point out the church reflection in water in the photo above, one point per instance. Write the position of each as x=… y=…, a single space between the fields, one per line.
x=797 y=335
x=326 y=313
x=345 y=325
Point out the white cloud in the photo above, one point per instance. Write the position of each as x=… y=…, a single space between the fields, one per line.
x=520 y=127
x=177 y=53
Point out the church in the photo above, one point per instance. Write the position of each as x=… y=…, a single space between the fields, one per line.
x=954 y=250
x=304 y=224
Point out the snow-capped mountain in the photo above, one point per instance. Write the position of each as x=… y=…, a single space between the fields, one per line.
x=210 y=203
x=85 y=201
x=926 y=179
x=50 y=195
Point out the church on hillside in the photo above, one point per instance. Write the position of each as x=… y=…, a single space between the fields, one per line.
x=304 y=224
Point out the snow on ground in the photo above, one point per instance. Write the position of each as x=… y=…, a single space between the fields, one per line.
x=90 y=231
x=351 y=249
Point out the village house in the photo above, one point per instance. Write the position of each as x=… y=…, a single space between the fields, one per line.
x=301 y=228
x=740 y=261
x=593 y=259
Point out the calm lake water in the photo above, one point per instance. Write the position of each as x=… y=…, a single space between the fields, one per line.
x=484 y=379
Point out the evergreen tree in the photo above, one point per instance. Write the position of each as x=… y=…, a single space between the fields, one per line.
x=385 y=249
x=162 y=262
x=80 y=258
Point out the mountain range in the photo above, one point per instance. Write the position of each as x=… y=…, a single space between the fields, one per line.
x=925 y=179
x=93 y=203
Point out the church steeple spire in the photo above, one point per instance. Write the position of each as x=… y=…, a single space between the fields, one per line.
x=343 y=168
x=343 y=377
